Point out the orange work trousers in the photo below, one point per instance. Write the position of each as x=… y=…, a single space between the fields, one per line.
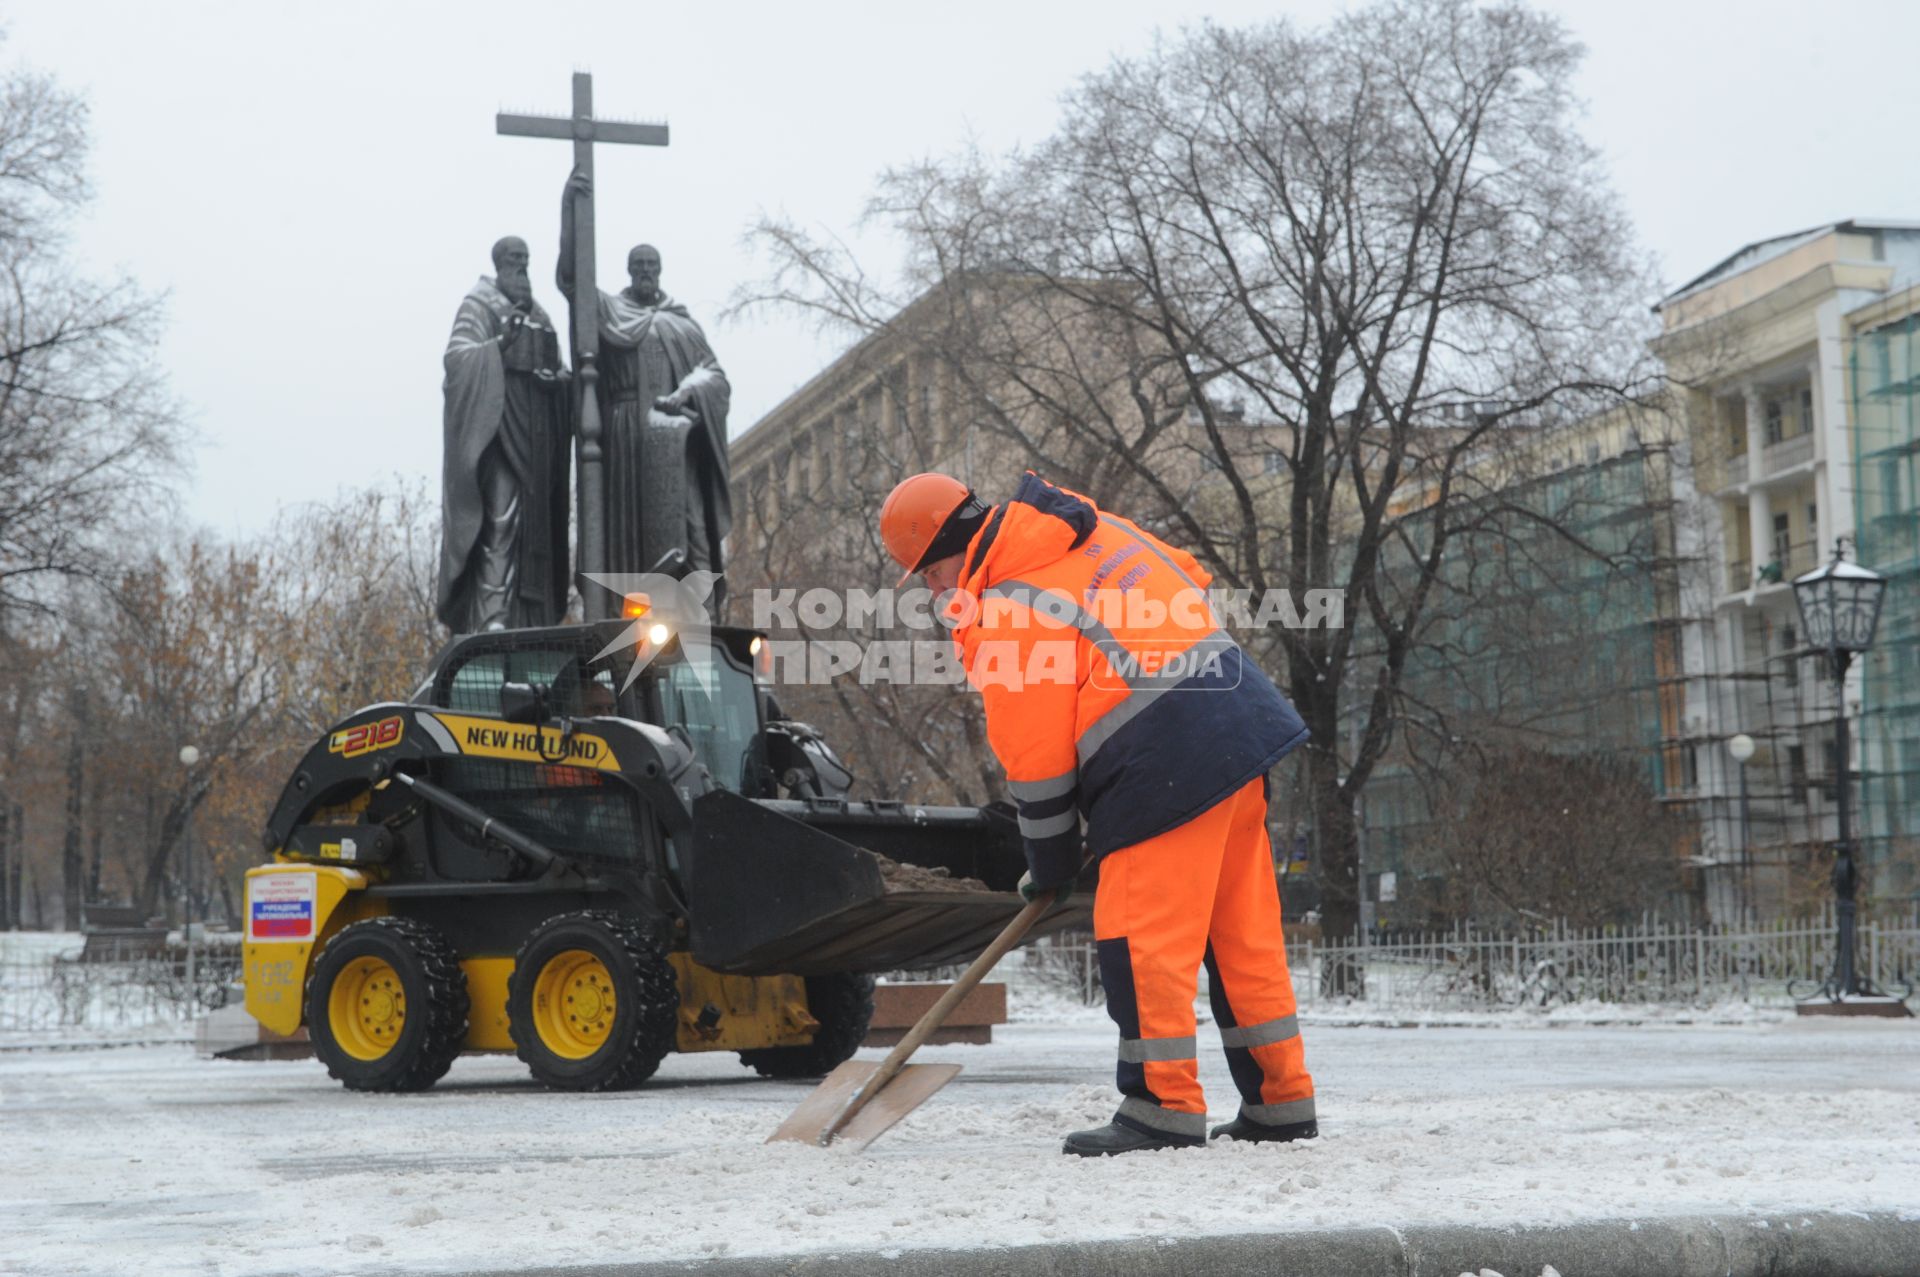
x=1205 y=892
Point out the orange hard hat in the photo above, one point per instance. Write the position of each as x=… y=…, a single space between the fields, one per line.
x=915 y=511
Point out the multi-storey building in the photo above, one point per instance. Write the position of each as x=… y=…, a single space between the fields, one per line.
x=1768 y=345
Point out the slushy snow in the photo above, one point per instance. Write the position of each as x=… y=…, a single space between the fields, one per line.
x=148 y=1160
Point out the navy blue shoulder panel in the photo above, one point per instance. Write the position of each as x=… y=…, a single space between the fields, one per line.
x=1069 y=509
x=988 y=536
x=1191 y=748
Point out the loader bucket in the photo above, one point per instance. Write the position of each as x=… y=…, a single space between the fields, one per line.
x=782 y=886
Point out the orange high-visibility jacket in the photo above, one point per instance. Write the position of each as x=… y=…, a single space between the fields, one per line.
x=1112 y=694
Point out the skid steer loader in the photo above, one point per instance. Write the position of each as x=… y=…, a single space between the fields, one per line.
x=537 y=854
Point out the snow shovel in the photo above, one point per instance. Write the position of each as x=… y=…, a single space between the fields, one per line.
x=858 y=1101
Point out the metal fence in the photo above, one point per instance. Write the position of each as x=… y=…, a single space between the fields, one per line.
x=1652 y=963
x=67 y=985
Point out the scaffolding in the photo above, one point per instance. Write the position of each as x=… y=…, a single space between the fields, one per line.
x=1556 y=627
x=1884 y=384
x=1618 y=636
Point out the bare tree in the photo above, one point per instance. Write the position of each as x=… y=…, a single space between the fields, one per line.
x=1340 y=268
x=189 y=644
x=88 y=433
x=353 y=590
x=343 y=618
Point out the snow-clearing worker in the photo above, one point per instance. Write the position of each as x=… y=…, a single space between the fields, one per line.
x=1113 y=696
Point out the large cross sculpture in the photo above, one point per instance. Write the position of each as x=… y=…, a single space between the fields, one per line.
x=583 y=130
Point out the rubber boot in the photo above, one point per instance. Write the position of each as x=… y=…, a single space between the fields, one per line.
x=1245 y=1128
x=1113 y=1138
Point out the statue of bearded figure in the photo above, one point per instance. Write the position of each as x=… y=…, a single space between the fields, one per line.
x=664 y=405
x=504 y=472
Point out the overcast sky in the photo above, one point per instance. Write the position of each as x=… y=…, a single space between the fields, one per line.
x=316 y=186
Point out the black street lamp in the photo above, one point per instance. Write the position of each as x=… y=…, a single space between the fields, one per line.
x=1839 y=610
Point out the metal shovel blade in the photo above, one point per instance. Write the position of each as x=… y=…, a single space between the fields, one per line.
x=908 y=1089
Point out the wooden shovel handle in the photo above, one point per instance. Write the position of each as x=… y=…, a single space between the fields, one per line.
x=937 y=1013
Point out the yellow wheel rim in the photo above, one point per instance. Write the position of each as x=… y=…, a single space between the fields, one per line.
x=367 y=1008
x=573 y=1004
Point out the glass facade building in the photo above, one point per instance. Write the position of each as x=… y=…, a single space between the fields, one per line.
x=1552 y=629
x=1884 y=384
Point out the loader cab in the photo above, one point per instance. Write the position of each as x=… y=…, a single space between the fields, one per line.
x=704 y=692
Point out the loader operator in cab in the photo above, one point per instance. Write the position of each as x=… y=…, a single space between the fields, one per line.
x=1116 y=703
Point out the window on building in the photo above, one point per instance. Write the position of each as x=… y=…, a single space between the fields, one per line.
x=1782 y=536
x=1273 y=462
x=1790 y=667
x=1806 y=409
x=1734 y=413
x=1813 y=526
x=1690 y=767
x=1776 y=420
x=1796 y=774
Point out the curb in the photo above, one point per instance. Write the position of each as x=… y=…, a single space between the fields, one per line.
x=1788 y=1245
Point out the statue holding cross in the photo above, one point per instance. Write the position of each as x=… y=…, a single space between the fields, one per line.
x=663 y=400
x=651 y=400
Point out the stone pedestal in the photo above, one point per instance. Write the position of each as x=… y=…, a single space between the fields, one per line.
x=1887 y=1008
x=898 y=1007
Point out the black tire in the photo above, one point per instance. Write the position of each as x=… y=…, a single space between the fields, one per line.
x=844 y=1006
x=424 y=992
x=622 y=1049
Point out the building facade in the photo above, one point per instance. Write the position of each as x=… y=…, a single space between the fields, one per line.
x=1769 y=346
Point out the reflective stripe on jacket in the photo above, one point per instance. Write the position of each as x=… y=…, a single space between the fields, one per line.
x=1111 y=692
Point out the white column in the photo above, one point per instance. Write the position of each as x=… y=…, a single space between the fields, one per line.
x=1759 y=509
x=1833 y=482
x=1750 y=401
x=1759 y=526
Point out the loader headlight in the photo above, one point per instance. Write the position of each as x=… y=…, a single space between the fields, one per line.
x=658 y=634
x=635 y=606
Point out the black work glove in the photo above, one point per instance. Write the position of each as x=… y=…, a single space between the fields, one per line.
x=1028 y=892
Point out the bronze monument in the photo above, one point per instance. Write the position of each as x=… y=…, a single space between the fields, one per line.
x=663 y=408
x=504 y=471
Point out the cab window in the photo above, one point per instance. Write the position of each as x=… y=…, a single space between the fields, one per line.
x=715 y=703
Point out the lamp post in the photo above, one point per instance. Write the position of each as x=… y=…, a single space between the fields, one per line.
x=189 y=756
x=1839 y=610
x=1741 y=748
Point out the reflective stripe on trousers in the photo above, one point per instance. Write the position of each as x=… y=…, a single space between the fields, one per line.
x=1148 y=1114
x=1280 y=1114
x=1203 y=892
x=1140 y=1050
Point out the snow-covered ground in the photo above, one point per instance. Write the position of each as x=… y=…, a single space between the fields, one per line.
x=147 y=1160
